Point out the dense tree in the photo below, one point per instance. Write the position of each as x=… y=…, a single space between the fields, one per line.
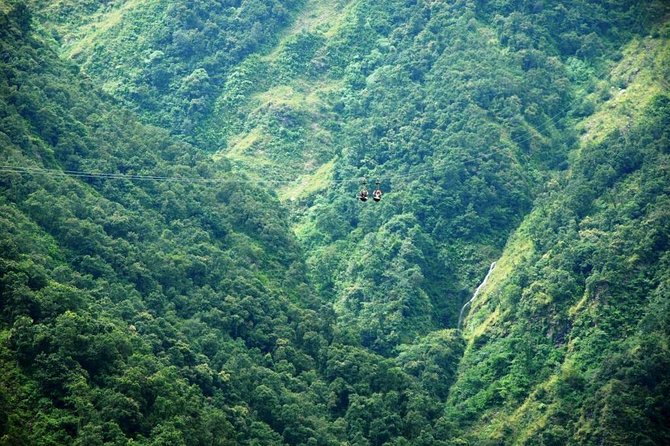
x=177 y=296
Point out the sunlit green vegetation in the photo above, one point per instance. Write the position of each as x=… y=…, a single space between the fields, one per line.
x=259 y=303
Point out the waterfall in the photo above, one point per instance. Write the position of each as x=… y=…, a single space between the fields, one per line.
x=479 y=288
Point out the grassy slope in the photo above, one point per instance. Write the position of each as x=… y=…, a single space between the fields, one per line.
x=272 y=94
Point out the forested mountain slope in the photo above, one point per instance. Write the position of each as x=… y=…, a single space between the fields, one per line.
x=117 y=295
x=461 y=109
x=167 y=59
x=166 y=312
x=569 y=344
x=246 y=297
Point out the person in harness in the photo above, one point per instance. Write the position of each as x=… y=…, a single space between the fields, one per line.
x=363 y=194
x=377 y=194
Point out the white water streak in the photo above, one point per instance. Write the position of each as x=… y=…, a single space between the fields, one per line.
x=479 y=288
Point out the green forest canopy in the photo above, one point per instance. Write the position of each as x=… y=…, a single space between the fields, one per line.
x=219 y=312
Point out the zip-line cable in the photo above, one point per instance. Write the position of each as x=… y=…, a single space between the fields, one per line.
x=123 y=176
x=181 y=179
x=102 y=175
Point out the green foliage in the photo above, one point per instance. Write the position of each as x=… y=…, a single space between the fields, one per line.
x=172 y=57
x=580 y=304
x=433 y=360
x=188 y=312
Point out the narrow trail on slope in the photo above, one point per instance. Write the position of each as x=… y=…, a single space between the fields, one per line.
x=479 y=288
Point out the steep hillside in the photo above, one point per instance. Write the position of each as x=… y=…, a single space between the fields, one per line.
x=569 y=344
x=460 y=109
x=126 y=296
x=184 y=261
x=151 y=296
x=166 y=59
